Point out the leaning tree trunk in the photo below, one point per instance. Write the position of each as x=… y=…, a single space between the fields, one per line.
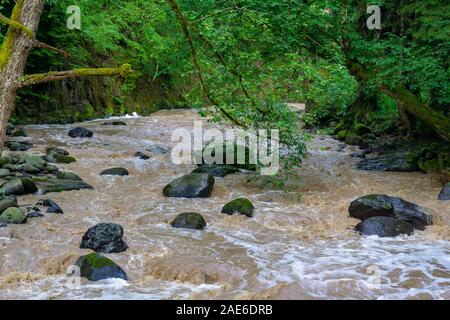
x=13 y=55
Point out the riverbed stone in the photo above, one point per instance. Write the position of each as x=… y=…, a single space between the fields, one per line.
x=114 y=123
x=240 y=205
x=95 y=266
x=387 y=206
x=57 y=155
x=193 y=185
x=189 y=220
x=4 y=173
x=141 y=155
x=445 y=193
x=52 y=206
x=157 y=149
x=105 y=238
x=29 y=185
x=68 y=176
x=18 y=146
x=13 y=187
x=217 y=170
x=48 y=184
x=80 y=132
x=19 y=133
x=117 y=171
x=13 y=215
x=34 y=212
x=384 y=227
x=7 y=202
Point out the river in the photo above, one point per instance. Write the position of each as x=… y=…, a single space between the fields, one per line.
x=299 y=245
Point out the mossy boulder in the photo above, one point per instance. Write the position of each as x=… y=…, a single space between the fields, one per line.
x=382 y=205
x=7 y=202
x=18 y=146
x=80 y=132
x=95 y=267
x=105 y=238
x=189 y=220
x=217 y=170
x=361 y=129
x=19 y=133
x=68 y=176
x=445 y=193
x=4 y=173
x=384 y=227
x=342 y=134
x=56 y=155
x=117 y=171
x=13 y=215
x=193 y=185
x=241 y=205
x=13 y=187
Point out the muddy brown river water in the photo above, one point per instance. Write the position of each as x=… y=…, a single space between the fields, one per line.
x=299 y=245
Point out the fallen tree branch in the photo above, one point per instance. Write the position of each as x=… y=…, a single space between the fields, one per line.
x=33 y=79
x=43 y=45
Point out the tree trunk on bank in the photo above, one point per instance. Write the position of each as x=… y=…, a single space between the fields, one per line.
x=13 y=56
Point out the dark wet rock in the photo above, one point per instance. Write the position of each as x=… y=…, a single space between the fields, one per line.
x=395 y=161
x=80 y=132
x=189 y=220
x=18 y=146
x=52 y=206
x=241 y=205
x=68 y=176
x=57 y=155
x=9 y=129
x=29 y=185
x=384 y=227
x=95 y=266
x=34 y=213
x=193 y=185
x=19 y=133
x=2 y=225
x=381 y=205
x=360 y=155
x=445 y=193
x=48 y=185
x=114 y=123
x=7 y=202
x=157 y=150
x=13 y=215
x=361 y=129
x=141 y=155
x=118 y=171
x=4 y=173
x=10 y=167
x=105 y=238
x=217 y=170
x=51 y=169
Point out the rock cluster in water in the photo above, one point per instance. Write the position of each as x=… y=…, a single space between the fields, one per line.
x=387 y=216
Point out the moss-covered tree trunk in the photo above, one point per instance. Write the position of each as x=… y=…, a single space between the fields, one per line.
x=14 y=53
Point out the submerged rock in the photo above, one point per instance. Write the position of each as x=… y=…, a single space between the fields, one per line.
x=95 y=266
x=68 y=176
x=382 y=205
x=118 y=171
x=240 y=205
x=18 y=146
x=445 y=193
x=13 y=215
x=157 y=150
x=80 y=132
x=384 y=227
x=193 y=185
x=34 y=213
x=48 y=185
x=114 y=123
x=217 y=170
x=105 y=238
x=189 y=220
x=52 y=206
x=7 y=202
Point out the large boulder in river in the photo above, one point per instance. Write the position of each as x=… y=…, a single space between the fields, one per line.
x=193 y=185
x=95 y=266
x=241 y=205
x=118 y=171
x=104 y=237
x=68 y=176
x=19 y=186
x=18 y=146
x=13 y=215
x=384 y=227
x=217 y=170
x=445 y=193
x=189 y=220
x=386 y=206
x=80 y=132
